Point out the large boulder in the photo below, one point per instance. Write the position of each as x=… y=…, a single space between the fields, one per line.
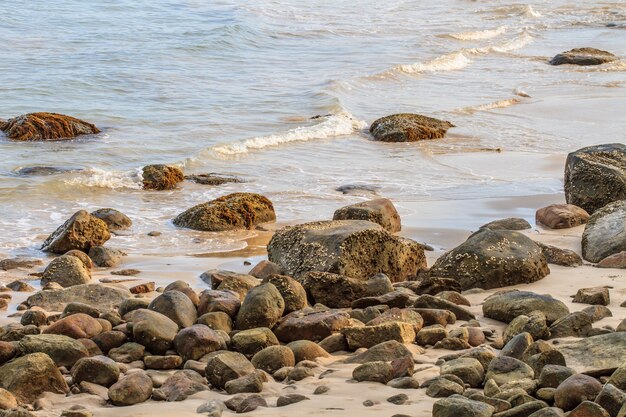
x=594 y=354
x=153 y=330
x=46 y=126
x=102 y=297
x=230 y=212
x=63 y=350
x=583 y=56
x=81 y=231
x=132 y=389
x=355 y=248
x=66 y=271
x=561 y=216
x=311 y=325
x=225 y=366
x=493 y=259
x=251 y=341
x=605 y=233
x=596 y=176
x=506 y=306
x=177 y=306
x=406 y=127
x=212 y=301
x=576 y=389
x=196 y=341
x=333 y=290
x=291 y=290
x=262 y=307
x=115 y=219
x=31 y=375
x=380 y=210
x=368 y=336
x=96 y=370
x=77 y=326
x=161 y=177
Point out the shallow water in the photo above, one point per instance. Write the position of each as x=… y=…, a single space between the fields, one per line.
x=231 y=88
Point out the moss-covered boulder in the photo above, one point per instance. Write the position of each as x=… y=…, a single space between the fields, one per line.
x=161 y=177
x=81 y=231
x=46 y=126
x=407 y=127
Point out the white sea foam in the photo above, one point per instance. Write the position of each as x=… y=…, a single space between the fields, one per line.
x=511 y=45
x=479 y=34
x=528 y=11
x=520 y=92
x=330 y=126
x=449 y=62
x=490 y=106
x=100 y=178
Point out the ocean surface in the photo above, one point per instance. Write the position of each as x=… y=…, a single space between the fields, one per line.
x=281 y=93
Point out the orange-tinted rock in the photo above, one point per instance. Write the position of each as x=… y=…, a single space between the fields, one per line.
x=408 y=127
x=46 y=126
x=561 y=216
x=161 y=177
x=77 y=326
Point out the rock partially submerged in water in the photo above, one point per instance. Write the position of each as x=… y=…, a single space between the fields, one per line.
x=212 y=179
x=583 y=56
x=33 y=171
x=161 y=177
x=493 y=259
x=230 y=212
x=407 y=127
x=81 y=231
x=596 y=176
x=380 y=210
x=605 y=233
x=355 y=248
x=46 y=126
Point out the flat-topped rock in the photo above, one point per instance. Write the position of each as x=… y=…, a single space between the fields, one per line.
x=583 y=57
x=355 y=248
x=45 y=126
x=506 y=306
x=605 y=232
x=561 y=216
x=380 y=211
x=102 y=297
x=407 y=127
x=597 y=353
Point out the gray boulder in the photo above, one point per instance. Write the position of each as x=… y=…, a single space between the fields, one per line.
x=262 y=307
x=102 y=297
x=176 y=306
x=506 y=306
x=380 y=210
x=605 y=232
x=583 y=56
x=63 y=350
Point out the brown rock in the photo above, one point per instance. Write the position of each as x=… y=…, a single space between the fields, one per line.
x=561 y=216
x=144 y=288
x=46 y=126
x=332 y=290
x=305 y=350
x=369 y=336
x=161 y=177
x=224 y=366
x=77 y=326
x=29 y=376
x=196 y=341
x=617 y=260
x=262 y=307
x=132 y=389
x=583 y=56
x=593 y=296
x=558 y=256
x=313 y=325
x=292 y=291
x=576 y=389
x=81 y=231
x=381 y=211
x=213 y=301
x=407 y=127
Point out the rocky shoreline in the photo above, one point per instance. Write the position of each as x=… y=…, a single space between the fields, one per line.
x=346 y=302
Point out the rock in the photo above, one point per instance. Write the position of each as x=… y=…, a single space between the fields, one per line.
x=589 y=409
x=166 y=362
x=132 y=304
x=216 y=321
x=66 y=271
x=77 y=326
x=251 y=341
x=561 y=216
x=45 y=126
x=211 y=179
x=558 y=256
x=305 y=350
x=97 y=370
x=35 y=317
x=429 y=301
x=115 y=220
x=394 y=299
x=213 y=408
x=354 y=248
x=593 y=296
x=161 y=177
x=262 y=307
x=285 y=400
x=313 y=325
x=127 y=353
x=505 y=369
x=434 y=316
x=605 y=233
x=75 y=308
x=144 y=288
x=224 y=366
x=452 y=343
x=454 y=297
x=618 y=378
x=272 y=358
x=381 y=211
x=63 y=350
x=617 y=260
x=373 y=372
x=265 y=269
x=534 y=324
x=368 y=336
x=508 y=305
x=230 y=212
x=126 y=272
x=332 y=290
x=595 y=176
x=231 y=281
x=406 y=127
x=248 y=404
x=298 y=373
x=153 y=330
x=576 y=389
x=134 y=388
x=252 y=382
x=106 y=257
x=595 y=353
x=469 y=370
x=553 y=375
x=16 y=263
x=384 y=351
x=459 y=406
x=583 y=56
x=611 y=399
x=404 y=315
x=7 y=400
x=193 y=342
x=511 y=223
x=597 y=312
x=443 y=388
x=212 y=301
x=492 y=259
x=398 y=399
x=81 y=231
x=430 y=335
x=181 y=385
x=291 y=290
x=576 y=324
x=431 y=285
x=517 y=345
x=29 y=376
x=98 y=296
x=176 y=306
x=334 y=343
x=524 y=409
x=20 y=286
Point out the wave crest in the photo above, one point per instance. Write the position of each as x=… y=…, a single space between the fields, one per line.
x=479 y=34
x=99 y=178
x=449 y=62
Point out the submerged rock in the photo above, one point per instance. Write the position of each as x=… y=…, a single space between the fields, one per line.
x=230 y=212
x=46 y=126
x=605 y=233
x=161 y=177
x=81 y=231
x=596 y=176
x=493 y=259
x=211 y=179
x=381 y=211
x=355 y=248
x=583 y=56
x=406 y=127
